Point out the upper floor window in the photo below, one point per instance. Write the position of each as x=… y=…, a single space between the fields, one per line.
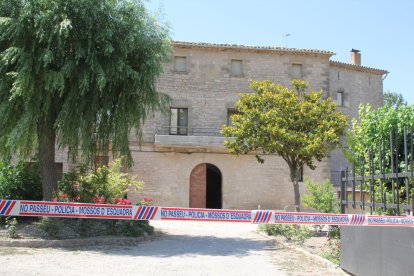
x=297 y=71
x=178 y=121
x=236 y=68
x=230 y=113
x=180 y=64
x=340 y=98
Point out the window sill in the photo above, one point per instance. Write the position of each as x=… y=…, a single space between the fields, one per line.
x=180 y=72
x=237 y=76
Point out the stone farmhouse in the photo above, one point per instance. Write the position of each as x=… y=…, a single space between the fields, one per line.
x=182 y=159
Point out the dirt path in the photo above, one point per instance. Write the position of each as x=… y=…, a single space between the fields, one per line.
x=187 y=248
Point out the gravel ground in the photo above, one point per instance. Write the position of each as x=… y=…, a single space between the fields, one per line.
x=185 y=248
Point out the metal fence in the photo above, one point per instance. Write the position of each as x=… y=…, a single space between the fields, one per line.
x=382 y=178
x=188 y=131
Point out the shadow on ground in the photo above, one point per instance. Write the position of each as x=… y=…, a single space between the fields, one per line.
x=168 y=245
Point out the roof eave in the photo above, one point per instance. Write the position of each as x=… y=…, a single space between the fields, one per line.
x=184 y=44
x=359 y=68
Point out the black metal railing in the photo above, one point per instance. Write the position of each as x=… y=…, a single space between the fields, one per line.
x=383 y=179
x=188 y=131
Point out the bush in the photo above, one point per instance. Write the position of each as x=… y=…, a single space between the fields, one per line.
x=20 y=182
x=51 y=226
x=70 y=228
x=108 y=184
x=290 y=231
x=320 y=196
x=11 y=226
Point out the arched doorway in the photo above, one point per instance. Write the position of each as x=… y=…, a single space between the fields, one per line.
x=205 y=187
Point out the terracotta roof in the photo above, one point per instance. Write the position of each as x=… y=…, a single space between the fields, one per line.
x=358 y=67
x=246 y=47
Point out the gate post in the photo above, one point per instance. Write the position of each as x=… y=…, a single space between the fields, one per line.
x=412 y=205
x=343 y=191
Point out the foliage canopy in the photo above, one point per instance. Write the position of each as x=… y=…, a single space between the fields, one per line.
x=376 y=125
x=299 y=127
x=78 y=73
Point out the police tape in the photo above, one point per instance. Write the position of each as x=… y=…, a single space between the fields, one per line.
x=141 y=212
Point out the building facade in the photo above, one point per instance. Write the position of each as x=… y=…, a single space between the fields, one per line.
x=182 y=159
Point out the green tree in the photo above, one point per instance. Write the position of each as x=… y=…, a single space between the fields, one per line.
x=375 y=125
x=394 y=99
x=370 y=132
x=79 y=74
x=299 y=127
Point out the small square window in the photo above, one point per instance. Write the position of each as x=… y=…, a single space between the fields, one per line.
x=236 y=67
x=340 y=98
x=297 y=71
x=180 y=64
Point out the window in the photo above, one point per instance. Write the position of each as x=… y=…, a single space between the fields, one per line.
x=231 y=112
x=340 y=98
x=180 y=64
x=179 y=121
x=297 y=71
x=236 y=67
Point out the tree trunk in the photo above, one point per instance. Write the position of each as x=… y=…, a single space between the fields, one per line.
x=47 y=136
x=297 y=195
x=294 y=176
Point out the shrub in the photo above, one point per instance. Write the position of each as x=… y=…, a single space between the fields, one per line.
x=51 y=226
x=20 y=181
x=132 y=228
x=108 y=184
x=11 y=226
x=290 y=231
x=320 y=196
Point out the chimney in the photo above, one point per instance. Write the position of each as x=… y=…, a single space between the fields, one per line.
x=355 y=57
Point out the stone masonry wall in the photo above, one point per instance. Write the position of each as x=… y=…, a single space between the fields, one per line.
x=245 y=182
x=358 y=88
x=209 y=90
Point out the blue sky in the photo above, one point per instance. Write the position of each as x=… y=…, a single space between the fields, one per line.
x=382 y=30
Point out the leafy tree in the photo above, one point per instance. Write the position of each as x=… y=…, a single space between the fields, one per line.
x=374 y=126
x=79 y=74
x=299 y=127
x=370 y=132
x=394 y=99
